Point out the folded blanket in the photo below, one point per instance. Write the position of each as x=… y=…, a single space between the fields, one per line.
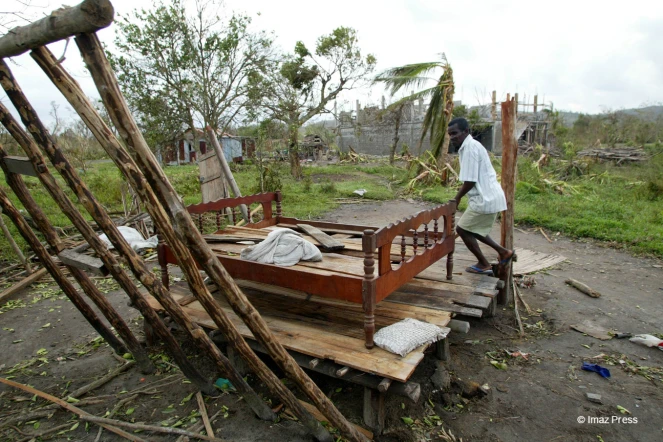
x=283 y=247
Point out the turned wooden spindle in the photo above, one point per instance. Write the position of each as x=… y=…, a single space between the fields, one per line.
x=234 y=214
x=218 y=220
x=279 y=198
x=369 y=285
x=402 y=248
x=415 y=242
x=200 y=222
x=435 y=237
x=425 y=236
x=450 y=256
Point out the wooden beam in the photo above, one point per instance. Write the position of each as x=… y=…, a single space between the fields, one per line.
x=14 y=246
x=226 y=170
x=25 y=282
x=129 y=168
x=88 y=16
x=509 y=154
x=83 y=262
x=327 y=243
x=187 y=232
x=17 y=184
x=85 y=196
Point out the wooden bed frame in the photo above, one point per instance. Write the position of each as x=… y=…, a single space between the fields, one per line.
x=422 y=249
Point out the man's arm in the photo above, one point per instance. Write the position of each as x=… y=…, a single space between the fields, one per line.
x=466 y=187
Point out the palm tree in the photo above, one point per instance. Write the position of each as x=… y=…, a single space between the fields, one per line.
x=441 y=105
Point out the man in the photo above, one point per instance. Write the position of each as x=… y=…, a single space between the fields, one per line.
x=486 y=197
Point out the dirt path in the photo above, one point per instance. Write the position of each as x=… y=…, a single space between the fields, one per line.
x=538 y=399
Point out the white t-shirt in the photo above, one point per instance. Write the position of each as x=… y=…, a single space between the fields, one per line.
x=487 y=195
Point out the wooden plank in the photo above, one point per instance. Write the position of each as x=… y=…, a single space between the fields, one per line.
x=20 y=165
x=327 y=243
x=83 y=262
x=476 y=301
x=319 y=416
x=25 y=282
x=307 y=339
x=432 y=302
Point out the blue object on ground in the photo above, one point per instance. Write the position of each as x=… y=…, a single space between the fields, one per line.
x=223 y=384
x=604 y=372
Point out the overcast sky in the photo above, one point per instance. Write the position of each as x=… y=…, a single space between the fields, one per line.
x=582 y=55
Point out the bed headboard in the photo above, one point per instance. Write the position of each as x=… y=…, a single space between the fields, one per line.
x=228 y=207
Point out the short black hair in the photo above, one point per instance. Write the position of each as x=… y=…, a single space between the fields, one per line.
x=461 y=122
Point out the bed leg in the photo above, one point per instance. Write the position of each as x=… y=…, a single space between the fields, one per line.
x=450 y=266
x=369 y=286
x=442 y=351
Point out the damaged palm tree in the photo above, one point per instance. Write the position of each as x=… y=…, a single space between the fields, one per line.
x=439 y=110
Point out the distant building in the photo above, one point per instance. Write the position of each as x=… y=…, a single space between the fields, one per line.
x=183 y=150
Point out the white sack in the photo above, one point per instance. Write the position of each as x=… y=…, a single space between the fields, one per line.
x=134 y=238
x=404 y=336
x=283 y=247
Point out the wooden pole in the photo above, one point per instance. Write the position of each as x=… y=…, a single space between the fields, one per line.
x=43 y=224
x=493 y=106
x=87 y=199
x=89 y=16
x=509 y=154
x=14 y=246
x=56 y=273
x=111 y=95
x=79 y=101
x=226 y=170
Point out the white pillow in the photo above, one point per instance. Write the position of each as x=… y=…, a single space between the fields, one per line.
x=404 y=336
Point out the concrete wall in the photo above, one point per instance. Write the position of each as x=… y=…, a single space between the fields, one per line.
x=376 y=139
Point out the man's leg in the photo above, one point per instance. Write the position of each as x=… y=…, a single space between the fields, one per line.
x=501 y=251
x=470 y=240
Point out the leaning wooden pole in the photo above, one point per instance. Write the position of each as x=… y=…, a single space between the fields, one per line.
x=89 y=16
x=48 y=180
x=14 y=246
x=114 y=102
x=78 y=100
x=17 y=184
x=226 y=171
x=509 y=156
x=69 y=290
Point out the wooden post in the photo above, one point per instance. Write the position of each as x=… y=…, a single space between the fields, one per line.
x=13 y=244
x=493 y=106
x=374 y=410
x=127 y=165
x=180 y=219
x=20 y=189
x=536 y=102
x=88 y=16
x=56 y=273
x=509 y=154
x=226 y=170
x=85 y=196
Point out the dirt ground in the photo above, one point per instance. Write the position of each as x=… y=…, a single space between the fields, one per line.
x=45 y=342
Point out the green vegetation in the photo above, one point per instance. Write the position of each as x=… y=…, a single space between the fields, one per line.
x=622 y=205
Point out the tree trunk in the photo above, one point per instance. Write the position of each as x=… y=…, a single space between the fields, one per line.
x=509 y=153
x=293 y=151
x=89 y=16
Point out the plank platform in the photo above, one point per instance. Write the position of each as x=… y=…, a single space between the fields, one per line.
x=321 y=328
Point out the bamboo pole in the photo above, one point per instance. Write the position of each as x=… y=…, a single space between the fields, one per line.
x=56 y=273
x=14 y=246
x=226 y=170
x=88 y=16
x=48 y=180
x=78 y=100
x=111 y=95
x=16 y=183
x=509 y=153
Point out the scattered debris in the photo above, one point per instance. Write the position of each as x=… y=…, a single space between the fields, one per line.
x=604 y=372
x=583 y=288
x=619 y=155
x=592 y=397
x=360 y=192
x=592 y=330
x=648 y=341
